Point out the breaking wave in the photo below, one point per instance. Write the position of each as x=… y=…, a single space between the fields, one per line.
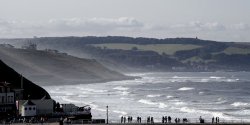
x=185 y=88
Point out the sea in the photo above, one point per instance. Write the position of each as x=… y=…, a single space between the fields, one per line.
x=177 y=94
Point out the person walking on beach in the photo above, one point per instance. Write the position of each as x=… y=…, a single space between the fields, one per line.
x=175 y=120
x=169 y=119
x=216 y=119
x=166 y=119
x=152 y=120
x=122 y=119
x=213 y=120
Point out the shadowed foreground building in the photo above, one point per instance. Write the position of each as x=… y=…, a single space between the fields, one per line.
x=7 y=100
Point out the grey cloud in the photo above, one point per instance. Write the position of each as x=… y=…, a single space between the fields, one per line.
x=68 y=26
x=124 y=26
x=240 y=26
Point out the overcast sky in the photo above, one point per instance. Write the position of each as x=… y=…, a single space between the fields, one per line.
x=224 y=20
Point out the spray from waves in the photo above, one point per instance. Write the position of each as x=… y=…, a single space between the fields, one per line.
x=185 y=88
x=152 y=96
x=240 y=104
x=149 y=102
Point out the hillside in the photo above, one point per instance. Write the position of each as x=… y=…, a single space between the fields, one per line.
x=11 y=76
x=52 y=68
x=133 y=54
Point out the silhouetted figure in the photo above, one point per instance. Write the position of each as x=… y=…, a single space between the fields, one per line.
x=185 y=120
x=201 y=120
x=166 y=119
x=140 y=119
x=213 y=120
x=122 y=119
x=175 y=120
x=148 y=119
x=163 y=119
x=169 y=119
x=216 y=119
x=178 y=120
x=152 y=120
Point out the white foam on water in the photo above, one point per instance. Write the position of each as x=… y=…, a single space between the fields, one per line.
x=216 y=77
x=162 y=105
x=185 y=88
x=81 y=96
x=204 y=80
x=216 y=114
x=169 y=96
x=93 y=90
x=149 y=102
x=239 y=104
x=152 y=96
x=180 y=103
x=121 y=88
x=124 y=93
x=120 y=112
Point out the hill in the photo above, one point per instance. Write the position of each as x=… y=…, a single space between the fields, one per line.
x=49 y=67
x=30 y=89
x=170 y=54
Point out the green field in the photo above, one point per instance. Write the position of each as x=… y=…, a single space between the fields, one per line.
x=236 y=50
x=168 y=49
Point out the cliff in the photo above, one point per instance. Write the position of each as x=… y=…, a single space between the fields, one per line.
x=9 y=75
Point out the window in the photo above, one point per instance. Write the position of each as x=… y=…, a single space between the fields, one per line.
x=25 y=108
x=29 y=108
x=34 y=108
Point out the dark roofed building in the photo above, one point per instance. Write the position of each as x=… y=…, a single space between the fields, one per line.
x=7 y=100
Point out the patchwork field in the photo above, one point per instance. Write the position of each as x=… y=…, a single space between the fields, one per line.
x=168 y=49
x=236 y=50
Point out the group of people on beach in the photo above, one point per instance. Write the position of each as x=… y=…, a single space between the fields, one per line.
x=130 y=119
x=150 y=119
x=217 y=120
x=167 y=119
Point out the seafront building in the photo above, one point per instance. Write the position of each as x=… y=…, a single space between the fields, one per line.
x=42 y=106
x=7 y=100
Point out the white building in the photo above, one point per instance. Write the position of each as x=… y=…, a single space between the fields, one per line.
x=28 y=109
x=43 y=106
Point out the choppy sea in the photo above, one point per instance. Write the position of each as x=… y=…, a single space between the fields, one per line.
x=176 y=94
